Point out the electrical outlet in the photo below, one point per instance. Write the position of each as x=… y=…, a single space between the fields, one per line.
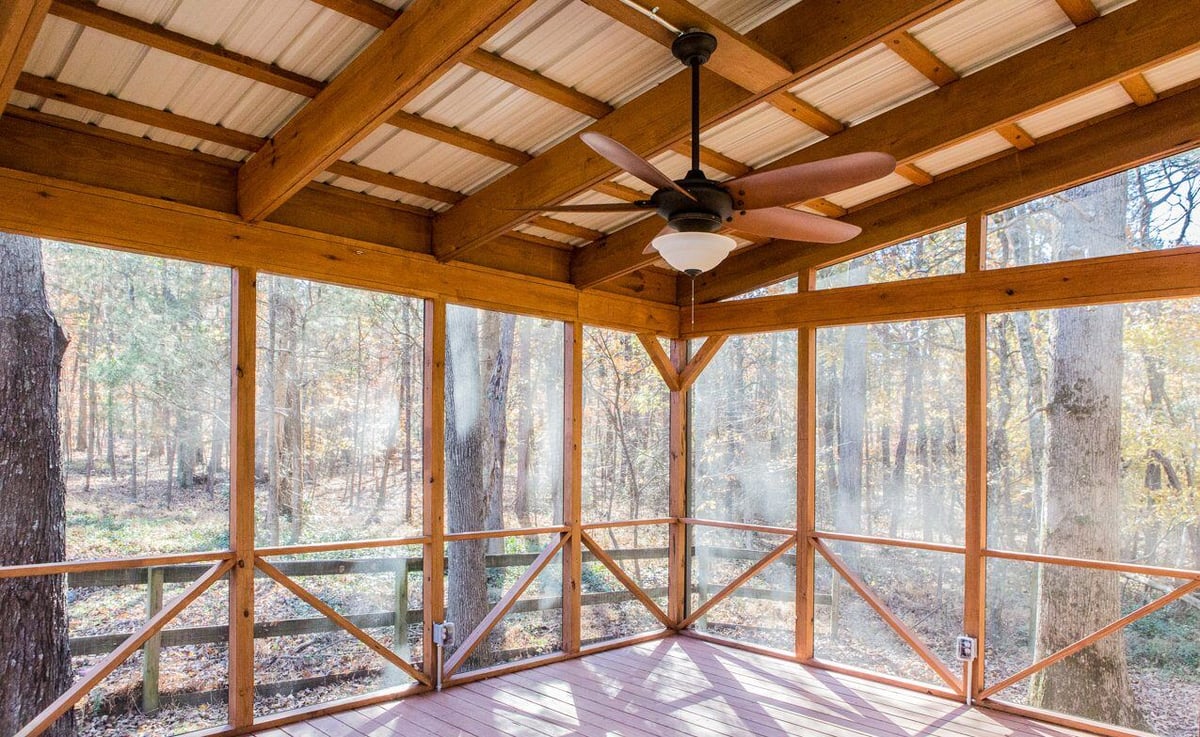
x=964 y=647
x=443 y=634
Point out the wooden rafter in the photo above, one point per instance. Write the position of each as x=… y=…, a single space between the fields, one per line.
x=914 y=641
x=366 y=11
x=459 y=138
x=421 y=45
x=620 y=191
x=1089 y=57
x=1112 y=144
x=914 y=174
x=1079 y=11
x=473 y=640
x=563 y=227
x=737 y=582
x=20 y=21
x=1136 y=86
x=921 y=58
x=317 y=603
x=46 y=718
x=540 y=85
x=806 y=113
x=626 y=580
x=391 y=181
x=660 y=117
x=92 y=15
x=713 y=158
x=1016 y=135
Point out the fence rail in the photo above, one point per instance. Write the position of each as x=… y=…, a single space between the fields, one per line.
x=399 y=619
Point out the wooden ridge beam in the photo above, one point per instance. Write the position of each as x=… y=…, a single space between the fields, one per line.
x=89 y=14
x=660 y=117
x=461 y=139
x=540 y=85
x=1134 y=137
x=20 y=21
x=419 y=47
x=1100 y=53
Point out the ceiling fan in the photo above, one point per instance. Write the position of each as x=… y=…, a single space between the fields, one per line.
x=696 y=207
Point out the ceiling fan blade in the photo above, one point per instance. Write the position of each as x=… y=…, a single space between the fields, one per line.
x=793 y=225
x=650 y=246
x=599 y=207
x=794 y=184
x=618 y=154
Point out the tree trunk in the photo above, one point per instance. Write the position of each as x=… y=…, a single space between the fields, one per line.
x=33 y=633
x=1081 y=514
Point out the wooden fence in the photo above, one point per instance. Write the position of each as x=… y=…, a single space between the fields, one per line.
x=399 y=618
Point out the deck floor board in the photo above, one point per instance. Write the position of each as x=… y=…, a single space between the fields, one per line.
x=675 y=686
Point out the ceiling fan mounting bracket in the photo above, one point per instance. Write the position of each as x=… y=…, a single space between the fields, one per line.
x=694 y=47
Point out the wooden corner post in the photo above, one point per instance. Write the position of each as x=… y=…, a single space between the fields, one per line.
x=677 y=583
x=433 y=515
x=806 y=488
x=241 y=498
x=572 y=556
x=975 y=564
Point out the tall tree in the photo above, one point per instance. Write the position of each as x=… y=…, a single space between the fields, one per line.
x=36 y=662
x=1081 y=513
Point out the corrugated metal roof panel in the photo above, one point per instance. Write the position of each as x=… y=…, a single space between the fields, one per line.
x=579 y=46
x=1174 y=73
x=375 y=190
x=760 y=135
x=53 y=45
x=963 y=153
x=977 y=33
x=744 y=15
x=101 y=62
x=552 y=235
x=409 y=155
x=1075 y=111
x=1108 y=6
x=869 y=191
x=864 y=86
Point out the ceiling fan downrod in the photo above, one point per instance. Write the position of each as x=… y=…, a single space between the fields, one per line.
x=694 y=48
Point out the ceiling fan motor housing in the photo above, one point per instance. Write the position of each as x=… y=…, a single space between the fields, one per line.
x=711 y=209
x=694 y=47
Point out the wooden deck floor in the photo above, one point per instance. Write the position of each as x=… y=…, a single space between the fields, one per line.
x=676 y=686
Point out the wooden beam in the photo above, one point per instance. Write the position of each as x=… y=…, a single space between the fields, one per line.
x=921 y=58
x=715 y=159
x=660 y=359
x=698 y=362
x=365 y=11
x=660 y=117
x=92 y=15
x=425 y=42
x=1098 y=54
x=740 y=60
x=806 y=113
x=1126 y=278
x=1136 y=86
x=391 y=181
x=1079 y=11
x=459 y=138
x=111 y=105
x=20 y=21
x=540 y=85
x=82 y=213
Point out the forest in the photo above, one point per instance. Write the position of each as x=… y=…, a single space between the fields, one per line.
x=1093 y=445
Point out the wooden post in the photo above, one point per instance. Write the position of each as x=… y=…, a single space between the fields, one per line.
x=975 y=540
x=400 y=626
x=806 y=488
x=241 y=499
x=677 y=581
x=433 y=517
x=153 y=647
x=572 y=554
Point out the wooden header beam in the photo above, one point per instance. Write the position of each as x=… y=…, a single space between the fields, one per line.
x=1139 y=135
x=1098 y=54
x=660 y=117
x=425 y=42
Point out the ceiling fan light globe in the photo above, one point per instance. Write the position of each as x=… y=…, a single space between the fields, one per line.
x=693 y=252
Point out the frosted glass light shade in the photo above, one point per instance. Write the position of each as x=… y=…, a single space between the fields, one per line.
x=693 y=253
